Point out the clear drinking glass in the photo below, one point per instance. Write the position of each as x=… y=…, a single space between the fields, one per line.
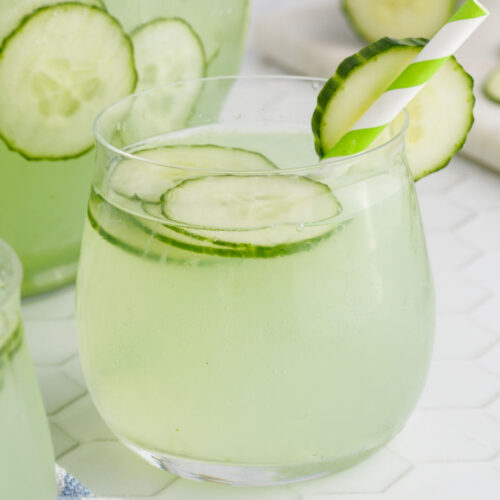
x=43 y=194
x=26 y=458
x=247 y=314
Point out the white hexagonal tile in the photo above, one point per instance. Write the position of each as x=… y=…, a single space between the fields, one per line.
x=439 y=213
x=82 y=421
x=61 y=441
x=491 y=360
x=458 y=384
x=451 y=481
x=73 y=369
x=111 y=469
x=57 y=389
x=448 y=436
x=456 y=294
x=373 y=475
x=479 y=191
x=488 y=314
x=483 y=231
x=486 y=271
x=493 y=409
x=59 y=304
x=444 y=180
x=183 y=489
x=457 y=337
x=51 y=342
x=448 y=252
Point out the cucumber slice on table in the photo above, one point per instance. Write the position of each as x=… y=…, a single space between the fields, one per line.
x=260 y=216
x=492 y=86
x=13 y=11
x=440 y=115
x=373 y=19
x=167 y=50
x=147 y=181
x=57 y=70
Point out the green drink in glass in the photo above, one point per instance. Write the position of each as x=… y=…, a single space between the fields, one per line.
x=246 y=314
x=60 y=63
x=26 y=458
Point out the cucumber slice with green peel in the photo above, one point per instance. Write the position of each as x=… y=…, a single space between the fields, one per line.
x=57 y=70
x=492 y=86
x=441 y=115
x=166 y=51
x=13 y=11
x=258 y=215
x=374 y=19
x=149 y=180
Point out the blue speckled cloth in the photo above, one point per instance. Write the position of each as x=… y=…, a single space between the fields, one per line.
x=69 y=487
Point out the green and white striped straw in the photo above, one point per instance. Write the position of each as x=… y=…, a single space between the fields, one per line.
x=409 y=83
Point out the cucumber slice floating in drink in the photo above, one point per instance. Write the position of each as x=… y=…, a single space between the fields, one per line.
x=440 y=115
x=373 y=19
x=260 y=216
x=51 y=90
x=167 y=50
x=13 y=11
x=148 y=180
x=492 y=86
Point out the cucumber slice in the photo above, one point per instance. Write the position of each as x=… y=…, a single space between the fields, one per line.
x=166 y=51
x=148 y=181
x=492 y=86
x=258 y=215
x=57 y=70
x=13 y=11
x=374 y=19
x=440 y=115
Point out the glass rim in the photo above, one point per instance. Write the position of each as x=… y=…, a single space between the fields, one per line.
x=14 y=278
x=326 y=162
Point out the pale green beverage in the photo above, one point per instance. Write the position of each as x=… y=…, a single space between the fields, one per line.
x=55 y=87
x=26 y=458
x=296 y=356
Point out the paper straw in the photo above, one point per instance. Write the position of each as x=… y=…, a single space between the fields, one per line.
x=411 y=81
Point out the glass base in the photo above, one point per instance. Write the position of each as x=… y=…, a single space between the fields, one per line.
x=247 y=475
x=49 y=279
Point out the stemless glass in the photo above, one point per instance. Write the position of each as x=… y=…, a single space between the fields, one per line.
x=246 y=313
x=43 y=196
x=26 y=458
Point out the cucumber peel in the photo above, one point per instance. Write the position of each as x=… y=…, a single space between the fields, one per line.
x=441 y=115
x=373 y=19
x=491 y=88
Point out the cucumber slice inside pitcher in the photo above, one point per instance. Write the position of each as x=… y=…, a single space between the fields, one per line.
x=148 y=180
x=167 y=50
x=440 y=115
x=374 y=19
x=51 y=90
x=13 y=11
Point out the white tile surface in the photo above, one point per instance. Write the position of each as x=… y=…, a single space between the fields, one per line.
x=449 y=450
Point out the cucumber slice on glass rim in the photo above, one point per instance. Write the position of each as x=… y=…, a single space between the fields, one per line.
x=148 y=180
x=491 y=88
x=50 y=90
x=441 y=115
x=374 y=19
